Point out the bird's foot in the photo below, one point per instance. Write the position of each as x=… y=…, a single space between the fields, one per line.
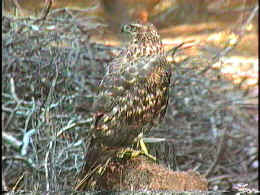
x=144 y=150
x=128 y=153
x=131 y=153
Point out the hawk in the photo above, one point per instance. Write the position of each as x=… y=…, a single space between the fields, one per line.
x=133 y=95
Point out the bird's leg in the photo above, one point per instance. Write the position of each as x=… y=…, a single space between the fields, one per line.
x=128 y=153
x=131 y=153
x=143 y=147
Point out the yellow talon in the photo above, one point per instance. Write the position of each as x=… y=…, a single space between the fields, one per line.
x=144 y=150
x=131 y=153
x=143 y=147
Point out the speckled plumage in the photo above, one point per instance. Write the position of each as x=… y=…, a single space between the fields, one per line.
x=133 y=94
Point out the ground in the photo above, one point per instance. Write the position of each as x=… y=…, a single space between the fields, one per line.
x=51 y=69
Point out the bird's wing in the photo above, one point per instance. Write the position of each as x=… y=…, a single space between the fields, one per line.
x=122 y=71
x=121 y=77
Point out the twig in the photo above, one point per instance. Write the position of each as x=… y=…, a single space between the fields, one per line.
x=70 y=126
x=29 y=115
x=230 y=47
x=219 y=177
x=46 y=167
x=252 y=15
x=18 y=6
x=11 y=140
x=173 y=50
x=18 y=182
x=11 y=116
x=45 y=11
x=219 y=150
x=13 y=90
x=27 y=161
x=5 y=187
x=26 y=141
x=77 y=187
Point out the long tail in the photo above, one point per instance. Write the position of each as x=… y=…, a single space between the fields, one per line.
x=90 y=164
x=92 y=156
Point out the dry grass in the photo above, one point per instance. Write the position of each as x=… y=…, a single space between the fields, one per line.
x=49 y=79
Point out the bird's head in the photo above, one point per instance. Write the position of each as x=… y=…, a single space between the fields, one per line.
x=141 y=32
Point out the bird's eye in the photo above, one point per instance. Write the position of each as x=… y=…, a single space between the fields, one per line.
x=133 y=28
x=129 y=29
x=126 y=28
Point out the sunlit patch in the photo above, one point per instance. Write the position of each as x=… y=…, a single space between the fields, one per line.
x=115 y=110
x=238 y=68
x=249 y=27
x=104 y=127
x=215 y=37
x=223 y=39
x=233 y=38
x=106 y=118
x=124 y=108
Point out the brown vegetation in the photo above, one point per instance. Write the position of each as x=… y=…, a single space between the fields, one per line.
x=50 y=70
x=143 y=174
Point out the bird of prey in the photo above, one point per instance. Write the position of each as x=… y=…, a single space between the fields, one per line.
x=133 y=94
x=133 y=98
